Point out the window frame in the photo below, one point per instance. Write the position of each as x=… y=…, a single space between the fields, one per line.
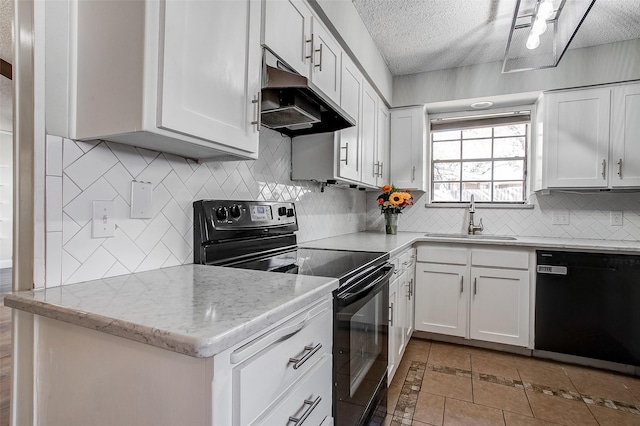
x=464 y=117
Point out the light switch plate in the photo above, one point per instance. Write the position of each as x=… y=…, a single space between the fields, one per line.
x=560 y=217
x=103 y=224
x=615 y=218
x=141 y=196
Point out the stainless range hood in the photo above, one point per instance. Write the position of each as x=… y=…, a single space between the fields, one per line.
x=294 y=106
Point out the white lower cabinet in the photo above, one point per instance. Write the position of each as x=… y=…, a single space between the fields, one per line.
x=474 y=293
x=400 y=308
x=282 y=372
x=309 y=401
x=441 y=298
x=500 y=305
x=286 y=373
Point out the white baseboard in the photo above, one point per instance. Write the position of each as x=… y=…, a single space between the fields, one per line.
x=6 y=263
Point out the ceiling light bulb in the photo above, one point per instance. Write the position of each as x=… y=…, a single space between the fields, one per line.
x=533 y=41
x=539 y=27
x=545 y=10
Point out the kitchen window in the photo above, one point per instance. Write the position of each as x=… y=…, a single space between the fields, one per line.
x=486 y=157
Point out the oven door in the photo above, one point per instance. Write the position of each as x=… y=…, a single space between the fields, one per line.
x=360 y=348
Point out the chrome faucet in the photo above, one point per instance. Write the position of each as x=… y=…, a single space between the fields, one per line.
x=471 y=230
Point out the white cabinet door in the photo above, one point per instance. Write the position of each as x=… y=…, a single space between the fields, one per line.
x=577 y=129
x=500 y=306
x=287 y=32
x=382 y=148
x=441 y=298
x=625 y=136
x=410 y=311
x=349 y=138
x=325 y=70
x=408 y=138
x=394 y=338
x=210 y=71
x=368 y=134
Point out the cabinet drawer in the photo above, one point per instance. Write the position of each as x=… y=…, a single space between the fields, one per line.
x=266 y=374
x=439 y=254
x=311 y=397
x=513 y=259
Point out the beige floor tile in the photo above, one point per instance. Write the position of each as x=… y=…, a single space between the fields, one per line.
x=560 y=410
x=500 y=396
x=599 y=384
x=632 y=384
x=417 y=423
x=513 y=419
x=545 y=374
x=496 y=366
x=393 y=392
x=416 y=353
x=608 y=417
x=461 y=413
x=450 y=356
x=447 y=385
x=429 y=409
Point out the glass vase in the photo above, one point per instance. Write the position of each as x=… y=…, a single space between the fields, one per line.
x=391 y=222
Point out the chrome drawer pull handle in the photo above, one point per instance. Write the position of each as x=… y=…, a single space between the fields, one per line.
x=299 y=361
x=310 y=54
x=312 y=406
x=475 y=286
x=461 y=284
x=604 y=169
x=620 y=168
x=346 y=153
x=258 y=101
x=319 y=64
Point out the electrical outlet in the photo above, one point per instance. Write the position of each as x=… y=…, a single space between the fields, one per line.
x=560 y=217
x=615 y=218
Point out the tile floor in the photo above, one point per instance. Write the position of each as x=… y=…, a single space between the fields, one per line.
x=444 y=384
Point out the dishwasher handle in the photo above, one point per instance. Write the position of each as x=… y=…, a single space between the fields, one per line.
x=551 y=270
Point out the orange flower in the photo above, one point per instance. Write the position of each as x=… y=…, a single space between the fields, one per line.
x=396 y=198
x=386 y=188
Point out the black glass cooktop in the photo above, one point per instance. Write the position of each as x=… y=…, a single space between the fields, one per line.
x=317 y=262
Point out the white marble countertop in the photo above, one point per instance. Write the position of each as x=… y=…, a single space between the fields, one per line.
x=195 y=310
x=394 y=244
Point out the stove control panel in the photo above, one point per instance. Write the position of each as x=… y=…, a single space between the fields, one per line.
x=234 y=215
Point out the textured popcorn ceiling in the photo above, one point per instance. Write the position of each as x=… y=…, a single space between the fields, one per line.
x=425 y=35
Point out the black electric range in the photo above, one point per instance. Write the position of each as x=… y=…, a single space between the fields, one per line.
x=261 y=236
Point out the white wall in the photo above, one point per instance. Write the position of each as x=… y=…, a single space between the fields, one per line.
x=606 y=63
x=589 y=217
x=80 y=172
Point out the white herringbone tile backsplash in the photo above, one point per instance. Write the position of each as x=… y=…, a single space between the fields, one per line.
x=588 y=217
x=80 y=172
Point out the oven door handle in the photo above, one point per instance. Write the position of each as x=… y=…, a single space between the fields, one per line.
x=348 y=298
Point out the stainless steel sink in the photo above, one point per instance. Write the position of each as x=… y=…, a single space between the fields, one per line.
x=472 y=237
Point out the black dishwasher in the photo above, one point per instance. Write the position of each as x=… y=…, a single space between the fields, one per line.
x=588 y=305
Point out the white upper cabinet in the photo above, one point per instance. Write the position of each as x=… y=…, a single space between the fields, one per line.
x=590 y=138
x=408 y=150
x=577 y=138
x=202 y=93
x=382 y=149
x=368 y=130
x=625 y=136
x=177 y=77
x=287 y=32
x=326 y=56
x=349 y=139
